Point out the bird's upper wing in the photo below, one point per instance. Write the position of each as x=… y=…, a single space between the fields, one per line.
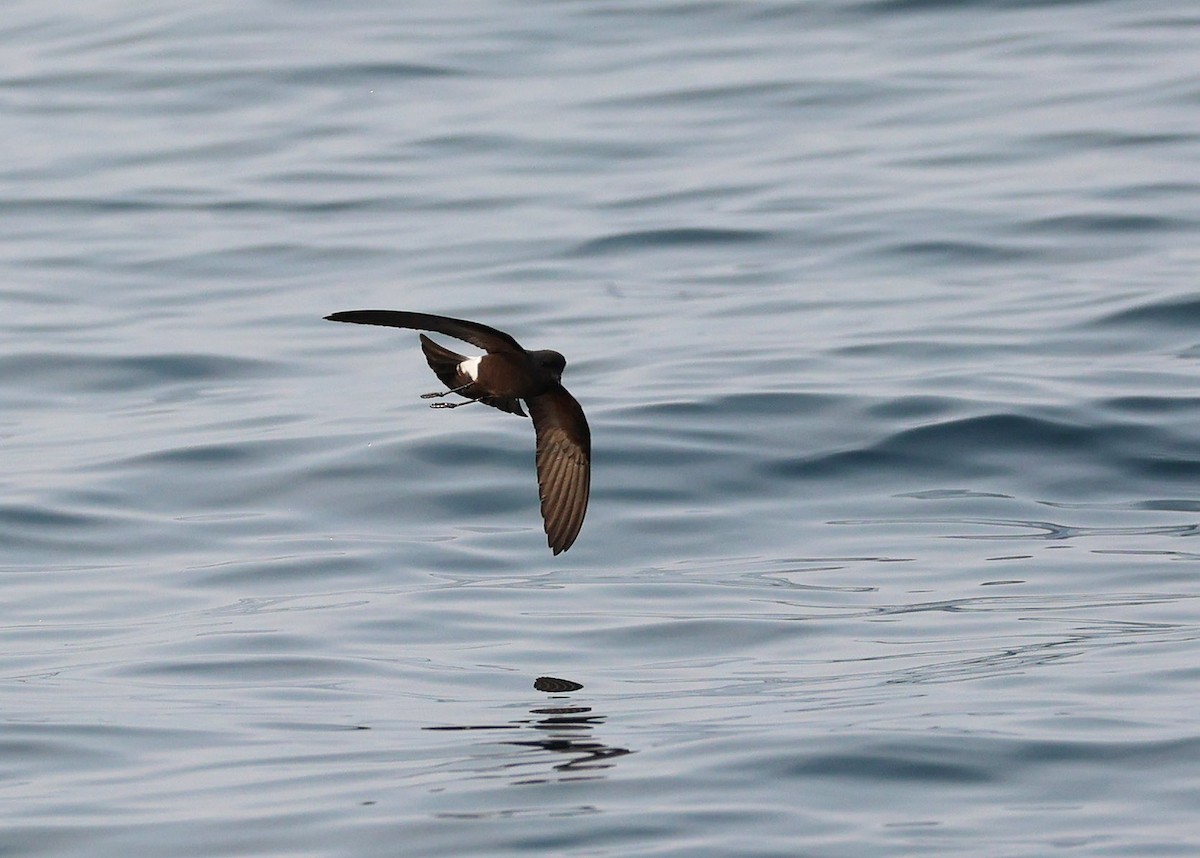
x=488 y=339
x=564 y=464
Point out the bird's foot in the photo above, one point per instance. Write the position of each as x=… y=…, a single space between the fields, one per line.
x=439 y=393
x=452 y=404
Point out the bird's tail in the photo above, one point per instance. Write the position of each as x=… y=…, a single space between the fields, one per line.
x=444 y=363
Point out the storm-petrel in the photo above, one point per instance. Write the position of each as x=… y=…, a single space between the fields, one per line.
x=501 y=378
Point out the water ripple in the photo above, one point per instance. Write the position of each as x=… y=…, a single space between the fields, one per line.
x=83 y=373
x=1040 y=530
x=668 y=238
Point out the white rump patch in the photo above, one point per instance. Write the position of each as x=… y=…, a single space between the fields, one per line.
x=470 y=368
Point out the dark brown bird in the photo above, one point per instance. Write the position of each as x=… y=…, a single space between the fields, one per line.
x=502 y=378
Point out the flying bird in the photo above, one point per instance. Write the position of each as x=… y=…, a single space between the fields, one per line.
x=502 y=378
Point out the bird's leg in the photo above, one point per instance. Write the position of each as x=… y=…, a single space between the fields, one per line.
x=438 y=393
x=452 y=404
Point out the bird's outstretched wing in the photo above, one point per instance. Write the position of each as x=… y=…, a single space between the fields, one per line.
x=482 y=336
x=564 y=464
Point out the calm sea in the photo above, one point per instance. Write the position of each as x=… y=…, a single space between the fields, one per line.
x=886 y=317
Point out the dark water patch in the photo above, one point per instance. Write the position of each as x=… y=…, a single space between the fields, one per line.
x=458 y=145
x=1177 y=312
x=1162 y=505
x=914 y=408
x=33 y=297
x=1153 y=191
x=909 y=350
x=862 y=462
x=485 y=450
x=768 y=91
x=1031 y=529
x=544 y=152
x=171 y=199
x=475 y=509
x=30 y=750
x=711 y=191
x=899 y=762
x=346 y=203
x=995 y=431
x=901 y=7
x=966 y=447
x=248 y=260
x=1076 y=141
x=227 y=486
x=231 y=667
x=951 y=494
x=1168 y=505
x=365 y=73
x=88 y=373
x=51 y=526
x=1151 y=406
x=1143 y=756
x=198 y=456
x=846 y=97
x=1104 y=224
x=973 y=759
x=1171 y=468
x=359 y=470
x=45 y=207
x=20 y=521
x=160 y=201
x=644 y=496
x=660 y=239
x=958 y=253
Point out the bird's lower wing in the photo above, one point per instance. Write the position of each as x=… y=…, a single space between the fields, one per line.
x=564 y=464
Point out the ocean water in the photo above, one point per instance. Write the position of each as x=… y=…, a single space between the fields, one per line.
x=886 y=319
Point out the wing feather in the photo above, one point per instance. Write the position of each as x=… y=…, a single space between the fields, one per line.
x=484 y=337
x=564 y=464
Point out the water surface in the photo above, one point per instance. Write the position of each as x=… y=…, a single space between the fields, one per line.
x=884 y=316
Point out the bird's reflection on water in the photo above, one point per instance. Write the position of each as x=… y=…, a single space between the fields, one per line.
x=564 y=730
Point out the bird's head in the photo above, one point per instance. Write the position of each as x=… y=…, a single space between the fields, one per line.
x=550 y=361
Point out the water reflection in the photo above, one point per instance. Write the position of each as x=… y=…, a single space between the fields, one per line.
x=565 y=731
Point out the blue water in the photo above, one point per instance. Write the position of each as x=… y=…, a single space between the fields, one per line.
x=886 y=319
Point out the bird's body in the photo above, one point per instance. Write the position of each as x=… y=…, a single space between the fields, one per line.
x=502 y=378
